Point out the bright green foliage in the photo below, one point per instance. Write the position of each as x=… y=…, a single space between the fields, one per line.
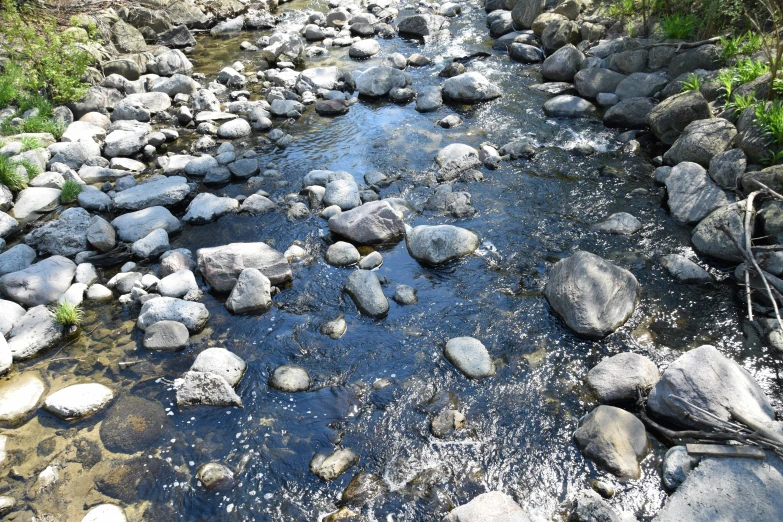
x=30 y=143
x=770 y=118
x=679 y=26
x=747 y=43
x=691 y=83
x=70 y=191
x=740 y=103
x=10 y=175
x=68 y=315
x=749 y=69
x=774 y=157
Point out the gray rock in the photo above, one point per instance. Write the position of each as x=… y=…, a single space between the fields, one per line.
x=629 y=62
x=252 y=292
x=559 y=33
x=567 y=106
x=593 y=296
x=470 y=357
x=700 y=141
x=422 y=25
x=670 y=117
x=10 y=314
x=206 y=208
x=124 y=143
x=222 y=363
x=631 y=113
x=709 y=237
x=525 y=12
x=677 y=465
x=591 y=82
x=331 y=467
x=124 y=281
x=162 y=192
x=692 y=194
x=35 y=200
x=365 y=290
x=257 y=204
x=41 y=283
x=35 y=332
x=707 y=57
x=206 y=389
x=371 y=223
x=7 y=224
x=563 y=64
x=405 y=295
x=710 y=381
x=620 y=223
x=525 y=53
x=364 y=49
x=435 y=245
x=244 y=168
x=615 y=439
x=342 y=254
x=588 y=506
x=727 y=168
x=105 y=513
x=640 y=85
x=289 y=378
x=16 y=258
x=620 y=377
x=378 y=81
x=222 y=265
x=684 y=270
x=78 y=400
x=178 y=284
x=493 y=506
x=470 y=87
x=98 y=292
x=176 y=84
x=371 y=261
x=215 y=476
x=429 y=99
x=170 y=63
x=100 y=234
x=65 y=236
x=93 y=199
x=286 y=108
x=193 y=315
x=20 y=396
x=74 y=154
x=342 y=192
x=166 y=335
x=151 y=245
x=237 y=128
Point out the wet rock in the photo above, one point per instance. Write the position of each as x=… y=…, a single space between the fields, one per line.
x=342 y=254
x=10 y=314
x=700 y=141
x=371 y=261
x=371 y=223
x=620 y=377
x=166 y=335
x=593 y=296
x=19 y=396
x=331 y=467
x=615 y=439
x=677 y=465
x=364 y=49
x=78 y=400
x=429 y=99
x=367 y=294
x=161 y=192
x=332 y=107
x=256 y=204
x=342 y=192
x=133 y=479
x=16 y=258
x=446 y=422
x=193 y=315
x=525 y=53
x=7 y=504
x=151 y=245
x=133 y=424
x=220 y=362
x=378 y=81
x=251 y=293
x=207 y=389
x=563 y=64
x=470 y=87
x=591 y=82
x=178 y=284
x=41 y=283
x=105 y=513
x=493 y=506
x=363 y=488
x=422 y=25
x=684 y=270
x=727 y=168
x=567 y=106
x=692 y=194
x=470 y=357
x=640 y=85
x=589 y=507
x=630 y=113
x=620 y=223
x=435 y=245
x=342 y=515
x=709 y=237
x=215 y=476
x=710 y=381
x=206 y=208
x=289 y=378
x=222 y=265
x=405 y=295
x=453 y=69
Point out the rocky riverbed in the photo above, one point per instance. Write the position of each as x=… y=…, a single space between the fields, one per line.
x=379 y=260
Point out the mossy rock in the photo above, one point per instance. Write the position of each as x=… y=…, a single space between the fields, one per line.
x=133 y=424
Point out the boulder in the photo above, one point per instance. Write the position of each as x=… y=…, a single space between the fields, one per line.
x=700 y=141
x=684 y=270
x=630 y=113
x=567 y=106
x=371 y=223
x=588 y=506
x=78 y=400
x=136 y=225
x=677 y=465
x=591 y=82
x=35 y=332
x=378 y=81
x=640 y=85
x=709 y=237
x=170 y=63
x=166 y=335
x=593 y=296
x=707 y=57
x=692 y=194
x=215 y=476
x=728 y=167
x=615 y=439
x=161 y=192
x=707 y=379
x=364 y=49
x=342 y=192
x=151 y=245
x=470 y=87
x=207 y=389
x=127 y=39
x=342 y=254
x=559 y=33
x=252 y=292
x=493 y=506
x=222 y=265
x=16 y=258
x=65 y=236
x=236 y=128
x=470 y=357
x=563 y=64
x=429 y=99
x=620 y=377
x=193 y=315
x=176 y=84
x=289 y=378
x=41 y=283
x=435 y=245
x=180 y=283
x=124 y=142
x=35 y=200
x=221 y=362
x=670 y=117
x=525 y=12
x=367 y=294
x=421 y=25
x=206 y=208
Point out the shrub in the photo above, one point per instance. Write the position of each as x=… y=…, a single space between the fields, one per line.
x=30 y=143
x=740 y=103
x=691 y=83
x=70 y=191
x=68 y=315
x=749 y=69
x=747 y=43
x=678 y=26
x=770 y=117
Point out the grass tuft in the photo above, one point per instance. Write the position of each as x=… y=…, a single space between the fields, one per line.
x=68 y=315
x=70 y=191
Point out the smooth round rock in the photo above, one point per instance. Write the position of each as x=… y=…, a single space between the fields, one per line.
x=133 y=424
x=470 y=357
x=290 y=378
x=78 y=400
x=166 y=335
x=215 y=476
x=342 y=254
x=105 y=513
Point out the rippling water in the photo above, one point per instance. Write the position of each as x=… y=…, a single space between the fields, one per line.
x=520 y=423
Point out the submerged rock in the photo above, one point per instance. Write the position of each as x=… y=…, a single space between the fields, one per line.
x=19 y=396
x=331 y=467
x=620 y=223
x=215 y=476
x=166 y=335
x=133 y=424
x=684 y=270
x=493 y=506
x=78 y=400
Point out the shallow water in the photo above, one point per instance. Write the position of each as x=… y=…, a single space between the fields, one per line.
x=520 y=422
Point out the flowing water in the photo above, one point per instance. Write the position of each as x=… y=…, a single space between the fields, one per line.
x=519 y=434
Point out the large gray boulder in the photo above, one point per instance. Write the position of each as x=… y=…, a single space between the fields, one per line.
x=615 y=439
x=525 y=12
x=372 y=223
x=705 y=378
x=136 y=225
x=709 y=237
x=222 y=265
x=65 y=236
x=563 y=64
x=35 y=200
x=470 y=357
x=670 y=117
x=707 y=57
x=171 y=62
x=161 y=192
x=701 y=140
x=123 y=142
x=321 y=77
x=435 y=245
x=35 y=332
x=630 y=113
x=493 y=506
x=640 y=85
x=41 y=283
x=421 y=25
x=367 y=294
x=378 y=81
x=252 y=292
x=592 y=82
x=620 y=377
x=193 y=315
x=206 y=389
x=176 y=84
x=692 y=194
x=470 y=87
x=593 y=296
x=16 y=258
x=559 y=33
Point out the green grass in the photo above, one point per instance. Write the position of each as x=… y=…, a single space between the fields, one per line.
x=678 y=26
x=691 y=83
x=68 y=315
x=747 y=43
x=770 y=118
x=30 y=143
x=70 y=191
x=11 y=178
x=749 y=69
x=740 y=103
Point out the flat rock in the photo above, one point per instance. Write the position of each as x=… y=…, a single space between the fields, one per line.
x=470 y=357
x=207 y=207
x=684 y=270
x=41 y=283
x=162 y=192
x=619 y=377
x=135 y=225
x=193 y=315
x=222 y=265
x=493 y=506
x=166 y=335
x=20 y=395
x=206 y=389
x=78 y=400
x=133 y=424
x=34 y=200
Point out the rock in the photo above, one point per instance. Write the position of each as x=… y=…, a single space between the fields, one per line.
x=378 y=81
x=84 y=131
x=559 y=33
x=10 y=314
x=710 y=239
x=41 y=283
x=620 y=223
x=615 y=439
x=256 y=204
x=677 y=465
x=470 y=357
x=728 y=489
x=233 y=129
x=371 y=223
x=342 y=254
x=6 y=357
x=166 y=335
x=124 y=281
x=332 y=107
x=99 y=292
x=206 y=208
x=435 y=245
x=371 y=261
x=567 y=106
x=640 y=85
x=331 y=467
x=456 y=158
x=93 y=199
x=524 y=13
x=618 y=378
x=727 y=168
x=19 y=396
x=493 y=506
x=470 y=87
x=684 y=270
x=222 y=265
x=591 y=82
x=446 y=422
x=193 y=315
x=65 y=236
x=176 y=84
x=35 y=200
x=289 y=378
x=630 y=113
x=364 y=49
x=215 y=476
x=708 y=380
x=151 y=245
x=220 y=362
x=700 y=141
x=589 y=507
x=563 y=64
x=706 y=57
x=429 y=99
x=230 y=26
x=593 y=296
x=252 y=292
x=692 y=194
x=170 y=63
x=178 y=284
x=16 y=258
x=7 y=223
x=105 y=513
x=136 y=225
x=127 y=38
x=124 y=143
x=367 y=294
x=342 y=192
x=133 y=424
x=422 y=25
x=162 y=192
x=405 y=295
x=525 y=53
x=78 y=400
x=207 y=389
